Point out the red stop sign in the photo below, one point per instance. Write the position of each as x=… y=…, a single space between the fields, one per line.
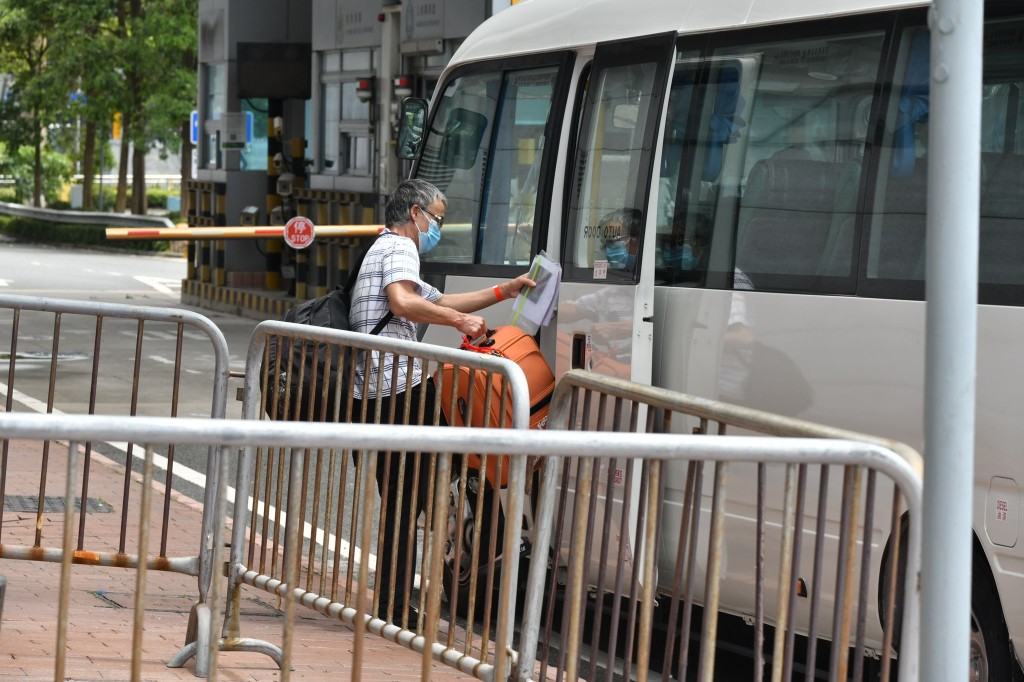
x=299 y=232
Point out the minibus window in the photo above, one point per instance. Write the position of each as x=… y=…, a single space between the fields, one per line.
x=896 y=248
x=776 y=172
x=484 y=150
x=675 y=246
x=611 y=166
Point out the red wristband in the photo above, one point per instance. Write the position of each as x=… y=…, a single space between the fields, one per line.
x=497 y=293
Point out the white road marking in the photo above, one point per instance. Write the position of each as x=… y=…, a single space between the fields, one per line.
x=158 y=358
x=5 y=282
x=158 y=283
x=154 y=334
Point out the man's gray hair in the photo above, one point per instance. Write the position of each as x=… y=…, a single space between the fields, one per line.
x=410 y=193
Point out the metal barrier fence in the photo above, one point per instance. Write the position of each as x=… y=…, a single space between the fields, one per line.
x=333 y=492
x=630 y=532
x=558 y=446
x=48 y=340
x=83 y=217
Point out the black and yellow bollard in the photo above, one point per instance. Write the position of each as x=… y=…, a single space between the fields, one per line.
x=220 y=275
x=301 y=275
x=272 y=280
x=321 y=269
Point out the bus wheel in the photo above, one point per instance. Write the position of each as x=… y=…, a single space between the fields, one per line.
x=991 y=656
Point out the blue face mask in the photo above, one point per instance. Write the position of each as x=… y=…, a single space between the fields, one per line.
x=616 y=254
x=432 y=236
x=681 y=258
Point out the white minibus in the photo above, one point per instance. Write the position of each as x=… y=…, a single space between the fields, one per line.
x=735 y=191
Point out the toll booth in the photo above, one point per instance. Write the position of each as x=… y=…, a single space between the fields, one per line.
x=297 y=115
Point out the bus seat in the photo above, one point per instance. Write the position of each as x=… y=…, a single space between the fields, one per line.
x=837 y=258
x=1002 y=219
x=902 y=229
x=785 y=215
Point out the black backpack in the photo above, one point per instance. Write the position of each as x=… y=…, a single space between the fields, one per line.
x=299 y=382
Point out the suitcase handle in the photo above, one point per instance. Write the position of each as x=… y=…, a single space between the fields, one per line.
x=481 y=345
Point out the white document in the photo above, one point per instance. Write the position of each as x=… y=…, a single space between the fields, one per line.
x=534 y=306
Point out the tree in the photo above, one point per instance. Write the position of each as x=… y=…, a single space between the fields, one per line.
x=27 y=28
x=135 y=57
x=86 y=58
x=158 y=55
x=19 y=163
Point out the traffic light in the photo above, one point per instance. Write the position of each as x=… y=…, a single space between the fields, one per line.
x=401 y=87
x=364 y=89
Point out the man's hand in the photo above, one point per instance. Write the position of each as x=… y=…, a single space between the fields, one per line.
x=512 y=288
x=472 y=326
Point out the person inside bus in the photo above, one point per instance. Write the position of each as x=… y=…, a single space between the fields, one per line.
x=389 y=280
x=682 y=254
x=620 y=237
x=725 y=124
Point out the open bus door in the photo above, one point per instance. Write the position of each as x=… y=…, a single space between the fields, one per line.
x=606 y=299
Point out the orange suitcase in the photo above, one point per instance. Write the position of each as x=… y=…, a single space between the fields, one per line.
x=516 y=345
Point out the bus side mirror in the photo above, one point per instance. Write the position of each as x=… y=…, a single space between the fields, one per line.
x=413 y=120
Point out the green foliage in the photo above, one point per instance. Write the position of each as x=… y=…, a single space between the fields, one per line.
x=82 y=62
x=56 y=172
x=94 y=235
x=157 y=198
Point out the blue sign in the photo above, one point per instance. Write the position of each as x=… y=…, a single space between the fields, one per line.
x=194 y=127
x=248 y=127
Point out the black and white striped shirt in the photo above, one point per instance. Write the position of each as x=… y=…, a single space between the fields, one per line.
x=392 y=258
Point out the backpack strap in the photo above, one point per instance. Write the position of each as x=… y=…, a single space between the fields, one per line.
x=383 y=323
x=350 y=284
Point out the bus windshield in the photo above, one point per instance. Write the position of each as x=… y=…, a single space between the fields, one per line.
x=484 y=150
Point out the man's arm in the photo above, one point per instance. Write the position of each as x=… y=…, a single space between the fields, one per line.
x=404 y=301
x=472 y=301
x=451 y=309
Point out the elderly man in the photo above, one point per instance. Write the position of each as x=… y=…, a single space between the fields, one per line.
x=389 y=281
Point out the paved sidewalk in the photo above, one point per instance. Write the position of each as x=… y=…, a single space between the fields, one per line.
x=102 y=599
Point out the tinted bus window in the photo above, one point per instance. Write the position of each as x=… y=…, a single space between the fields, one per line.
x=775 y=180
x=617 y=133
x=896 y=249
x=484 y=151
x=674 y=259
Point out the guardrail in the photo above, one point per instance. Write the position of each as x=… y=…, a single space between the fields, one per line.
x=332 y=491
x=628 y=531
x=558 y=446
x=83 y=217
x=47 y=341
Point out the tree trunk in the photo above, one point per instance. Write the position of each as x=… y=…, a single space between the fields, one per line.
x=37 y=169
x=138 y=181
x=88 y=166
x=122 y=161
x=122 y=165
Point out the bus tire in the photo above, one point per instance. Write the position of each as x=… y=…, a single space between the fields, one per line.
x=991 y=654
